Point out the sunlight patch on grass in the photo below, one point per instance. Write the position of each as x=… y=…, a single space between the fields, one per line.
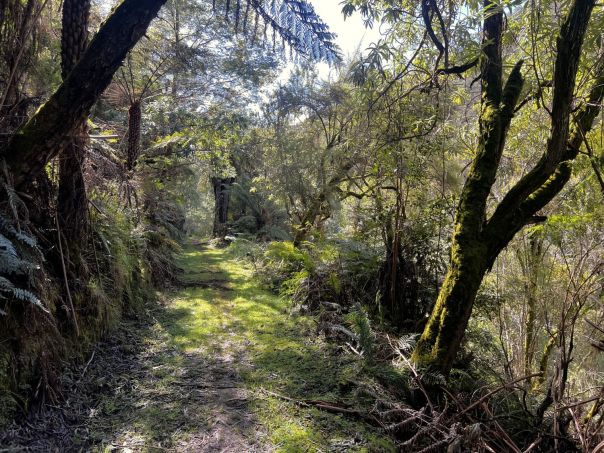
x=282 y=354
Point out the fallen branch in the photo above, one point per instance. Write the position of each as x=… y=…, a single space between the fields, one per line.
x=497 y=390
x=328 y=407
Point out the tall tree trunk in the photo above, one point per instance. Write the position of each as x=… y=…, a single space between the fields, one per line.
x=222 y=192
x=50 y=129
x=72 y=200
x=476 y=242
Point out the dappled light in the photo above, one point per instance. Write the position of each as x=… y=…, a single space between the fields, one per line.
x=225 y=228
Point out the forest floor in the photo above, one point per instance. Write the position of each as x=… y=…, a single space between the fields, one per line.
x=219 y=365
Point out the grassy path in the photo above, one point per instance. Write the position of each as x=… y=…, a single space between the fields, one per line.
x=201 y=376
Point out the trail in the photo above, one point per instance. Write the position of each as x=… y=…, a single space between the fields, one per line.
x=200 y=373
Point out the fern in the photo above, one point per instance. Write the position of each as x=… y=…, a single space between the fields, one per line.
x=406 y=343
x=295 y=22
x=361 y=326
x=11 y=264
x=7 y=245
x=19 y=253
x=8 y=290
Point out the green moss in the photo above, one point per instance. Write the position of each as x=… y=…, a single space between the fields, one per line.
x=277 y=352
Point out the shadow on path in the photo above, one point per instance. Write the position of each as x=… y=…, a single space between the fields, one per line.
x=197 y=374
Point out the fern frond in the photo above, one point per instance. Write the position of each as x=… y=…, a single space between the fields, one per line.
x=406 y=343
x=298 y=25
x=28 y=296
x=7 y=245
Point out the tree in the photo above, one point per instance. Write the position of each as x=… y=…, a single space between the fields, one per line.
x=481 y=231
x=72 y=203
x=476 y=241
x=49 y=130
x=313 y=124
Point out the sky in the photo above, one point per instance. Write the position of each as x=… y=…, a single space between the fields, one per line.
x=351 y=32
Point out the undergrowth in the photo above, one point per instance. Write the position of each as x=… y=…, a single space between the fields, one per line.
x=38 y=317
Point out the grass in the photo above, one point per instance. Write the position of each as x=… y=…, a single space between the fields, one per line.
x=216 y=366
x=278 y=352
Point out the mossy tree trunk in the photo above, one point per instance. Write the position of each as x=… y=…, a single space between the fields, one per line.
x=72 y=202
x=51 y=128
x=476 y=241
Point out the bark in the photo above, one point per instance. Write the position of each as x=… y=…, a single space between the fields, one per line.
x=72 y=202
x=18 y=34
x=134 y=134
x=50 y=129
x=222 y=192
x=476 y=243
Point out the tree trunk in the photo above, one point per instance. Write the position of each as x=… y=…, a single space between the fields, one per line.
x=72 y=202
x=222 y=189
x=476 y=242
x=442 y=335
x=50 y=129
x=134 y=134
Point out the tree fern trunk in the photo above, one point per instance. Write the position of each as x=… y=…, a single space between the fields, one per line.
x=72 y=200
x=222 y=189
x=134 y=134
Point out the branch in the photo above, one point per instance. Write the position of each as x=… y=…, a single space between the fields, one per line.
x=540 y=185
x=497 y=390
x=459 y=69
x=427 y=7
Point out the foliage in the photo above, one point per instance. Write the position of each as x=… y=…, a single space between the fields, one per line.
x=20 y=254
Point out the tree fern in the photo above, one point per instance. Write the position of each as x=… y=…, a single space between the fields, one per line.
x=361 y=326
x=9 y=291
x=294 y=21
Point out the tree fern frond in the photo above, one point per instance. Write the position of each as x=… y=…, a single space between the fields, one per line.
x=432 y=378
x=297 y=23
x=11 y=264
x=28 y=296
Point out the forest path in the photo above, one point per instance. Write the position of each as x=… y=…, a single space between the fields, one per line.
x=210 y=369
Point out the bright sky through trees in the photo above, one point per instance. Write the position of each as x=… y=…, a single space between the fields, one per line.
x=351 y=32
